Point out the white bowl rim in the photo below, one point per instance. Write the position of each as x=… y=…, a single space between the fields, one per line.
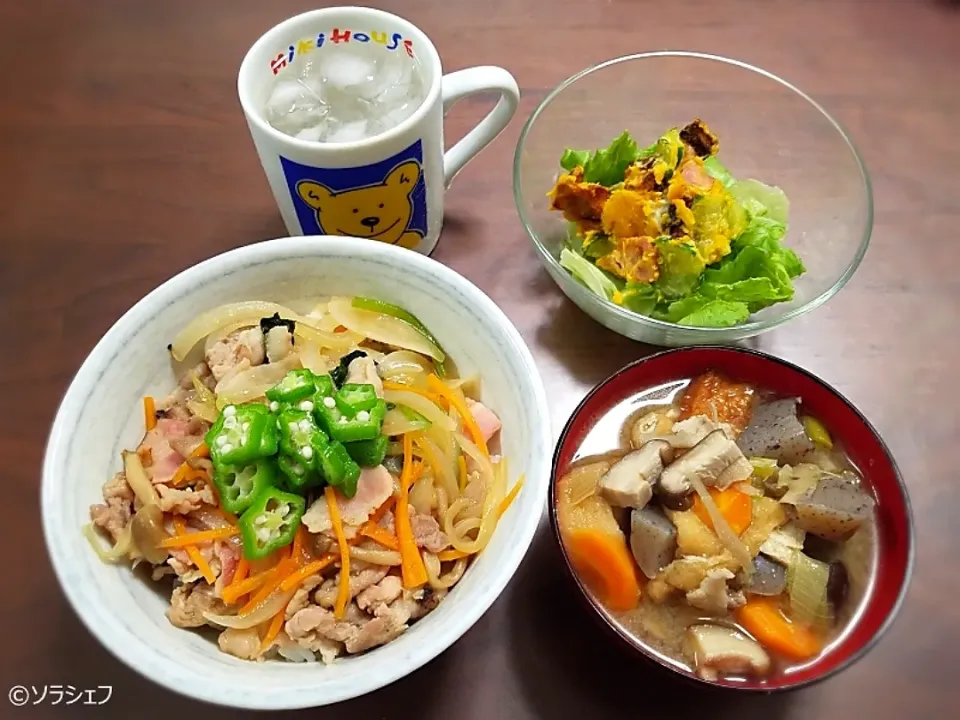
x=292 y=247
x=746 y=329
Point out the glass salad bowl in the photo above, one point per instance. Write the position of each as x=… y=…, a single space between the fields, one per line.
x=768 y=130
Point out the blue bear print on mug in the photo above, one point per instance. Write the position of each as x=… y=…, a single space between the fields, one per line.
x=386 y=201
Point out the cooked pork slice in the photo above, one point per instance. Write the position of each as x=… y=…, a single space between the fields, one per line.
x=237 y=351
x=363 y=371
x=189 y=602
x=383 y=593
x=486 y=419
x=244 y=644
x=114 y=515
x=326 y=594
x=158 y=450
x=373 y=488
x=187 y=500
x=427 y=532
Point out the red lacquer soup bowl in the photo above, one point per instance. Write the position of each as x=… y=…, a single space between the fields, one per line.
x=894 y=529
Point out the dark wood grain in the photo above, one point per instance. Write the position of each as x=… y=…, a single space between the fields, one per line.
x=124 y=158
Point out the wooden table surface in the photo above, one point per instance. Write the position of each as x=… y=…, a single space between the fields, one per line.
x=124 y=158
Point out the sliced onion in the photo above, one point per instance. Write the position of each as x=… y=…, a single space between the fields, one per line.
x=220 y=317
x=383 y=328
x=469 y=386
x=250 y=385
x=722 y=528
x=148 y=532
x=421 y=404
x=119 y=550
x=375 y=557
x=406 y=367
x=496 y=482
x=342 y=342
x=273 y=604
x=397 y=422
x=422 y=495
x=447 y=478
x=137 y=479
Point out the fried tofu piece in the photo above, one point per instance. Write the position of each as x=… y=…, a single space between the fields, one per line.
x=579 y=201
x=700 y=138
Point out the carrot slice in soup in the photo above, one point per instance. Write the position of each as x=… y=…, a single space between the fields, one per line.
x=762 y=618
x=605 y=565
x=735 y=506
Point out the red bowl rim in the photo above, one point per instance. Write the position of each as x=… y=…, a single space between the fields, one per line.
x=640 y=647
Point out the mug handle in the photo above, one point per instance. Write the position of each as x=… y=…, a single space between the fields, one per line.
x=456 y=86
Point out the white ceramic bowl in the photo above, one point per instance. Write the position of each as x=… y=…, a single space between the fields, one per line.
x=101 y=414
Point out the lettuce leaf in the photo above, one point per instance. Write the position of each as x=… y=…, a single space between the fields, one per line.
x=573 y=158
x=595 y=279
x=680 y=267
x=717 y=313
x=717 y=171
x=606 y=166
x=639 y=297
x=759 y=199
x=701 y=311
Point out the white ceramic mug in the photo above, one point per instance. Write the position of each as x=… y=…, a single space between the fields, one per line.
x=392 y=182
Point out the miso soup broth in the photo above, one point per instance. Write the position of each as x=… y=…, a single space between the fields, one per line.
x=721 y=526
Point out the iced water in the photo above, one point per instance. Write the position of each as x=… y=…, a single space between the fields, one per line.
x=343 y=94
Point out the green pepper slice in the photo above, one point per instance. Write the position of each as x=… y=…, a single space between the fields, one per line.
x=236 y=438
x=238 y=485
x=270 y=522
x=368 y=453
x=385 y=308
x=295 y=386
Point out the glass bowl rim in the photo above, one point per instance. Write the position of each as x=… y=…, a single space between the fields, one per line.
x=743 y=329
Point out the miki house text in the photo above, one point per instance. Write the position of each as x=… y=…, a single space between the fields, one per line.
x=338 y=36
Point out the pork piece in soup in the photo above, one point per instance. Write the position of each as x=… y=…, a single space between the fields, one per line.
x=722 y=526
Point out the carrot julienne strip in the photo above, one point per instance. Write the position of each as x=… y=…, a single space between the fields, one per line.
x=277 y=574
x=448 y=555
x=380 y=535
x=237 y=589
x=199 y=537
x=149 y=412
x=432 y=396
x=413 y=571
x=438 y=386
x=343 y=591
x=462 y=465
x=275 y=624
x=194 y=553
x=311 y=568
x=505 y=503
